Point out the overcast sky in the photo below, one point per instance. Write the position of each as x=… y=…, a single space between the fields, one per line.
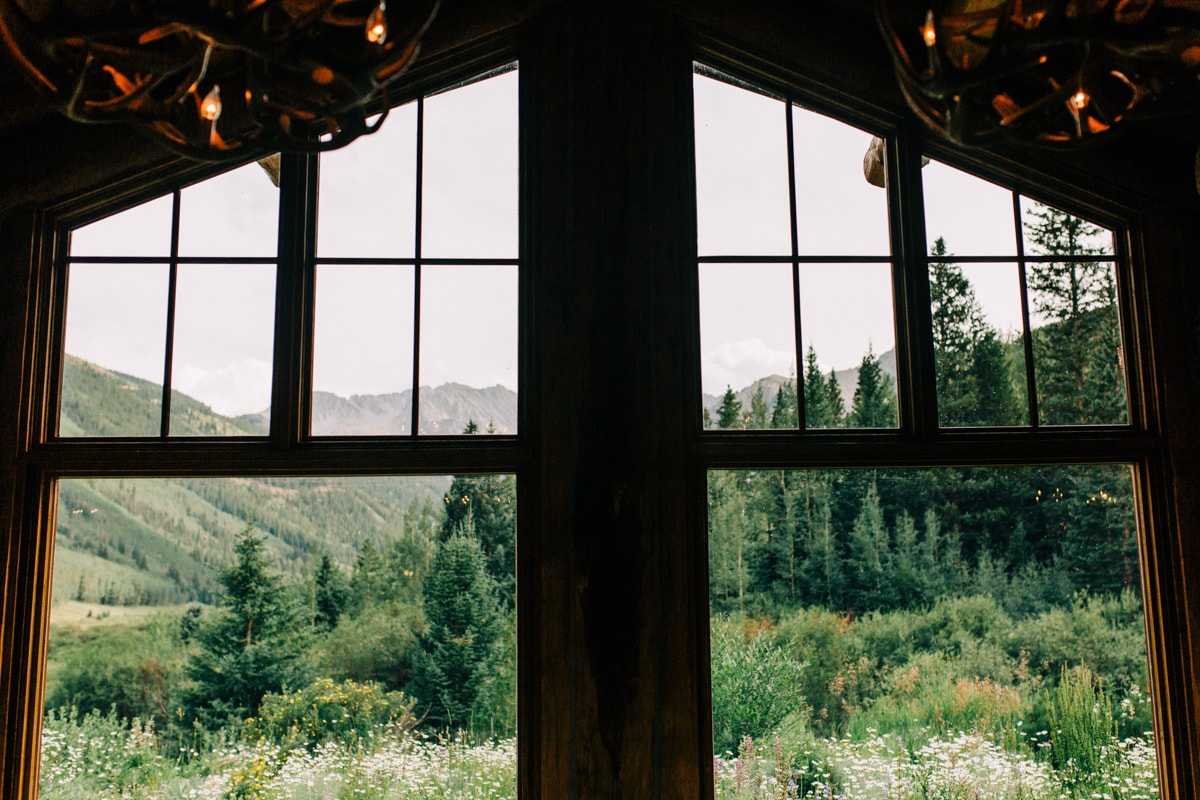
x=364 y=321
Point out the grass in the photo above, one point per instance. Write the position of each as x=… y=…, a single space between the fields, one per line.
x=93 y=615
x=967 y=766
x=98 y=757
x=921 y=724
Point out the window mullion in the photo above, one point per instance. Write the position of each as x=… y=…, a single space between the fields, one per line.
x=1026 y=324
x=916 y=389
x=294 y=296
x=172 y=288
x=417 y=206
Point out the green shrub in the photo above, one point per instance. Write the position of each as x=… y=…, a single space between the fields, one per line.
x=252 y=779
x=377 y=645
x=134 y=670
x=833 y=678
x=324 y=711
x=974 y=627
x=755 y=684
x=973 y=619
x=1104 y=634
x=1081 y=730
x=935 y=694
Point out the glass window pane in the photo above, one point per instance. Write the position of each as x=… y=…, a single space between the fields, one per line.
x=468 y=349
x=114 y=350
x=363 y=350
x=363 y=654
x=972 y=216
x=367 y=193
x=837 y=211
x=1077 y=344
x=978 y=344
x=224 y=336
x=747 y=345
x=848 y=327
x=741 y=171
x=143 y=230
x=969 y=632
x=233 y=214
x=1051 y=232
x=469 y=202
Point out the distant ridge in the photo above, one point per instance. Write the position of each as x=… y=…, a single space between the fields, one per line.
x=847 y=379
x=445 y=409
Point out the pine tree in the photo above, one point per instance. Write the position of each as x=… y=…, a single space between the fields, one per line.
x=491 y=503
x=251 y=646
x=823 y=563
x=758 y=409
x=329 y=595
x=783 y=415
x=835 y=404
x=992 y=379
x=870 y=555
x=729 y=414
x=1104 y=376
x=454 y=675
x=817 y=413
x=368 y=581
x=729 y=541
x=906 y=575
x=1075 y=352
x=956 y=317
x=408 y=558
x=973 y=379
x=874 y=403
x=788 y=530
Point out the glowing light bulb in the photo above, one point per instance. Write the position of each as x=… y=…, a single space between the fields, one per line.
x=1079 y=100
x=928 y=32
x=210 y=106
x=377 y=24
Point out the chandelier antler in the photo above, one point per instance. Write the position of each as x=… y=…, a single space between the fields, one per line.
x=219 y=79
x=1044 y=71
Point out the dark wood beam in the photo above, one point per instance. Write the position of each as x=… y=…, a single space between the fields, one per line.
x=618 y=691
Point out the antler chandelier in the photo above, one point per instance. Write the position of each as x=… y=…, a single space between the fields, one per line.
x=219 y=79
x=1043 y=71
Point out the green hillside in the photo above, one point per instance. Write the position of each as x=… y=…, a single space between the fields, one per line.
x=101 y=402
x=162 y=541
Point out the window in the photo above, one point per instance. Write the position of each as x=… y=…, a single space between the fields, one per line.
x=176 y=297
x=875 y=628
x=795 y=266
x=1030 y=272
x=225 y=624
x=416 y=235
x=289 y=634
x=624 y=320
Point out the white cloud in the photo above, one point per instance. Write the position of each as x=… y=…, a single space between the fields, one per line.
x=740 y=363
x=241 y=387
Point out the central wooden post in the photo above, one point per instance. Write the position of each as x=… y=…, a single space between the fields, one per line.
x=611 y=235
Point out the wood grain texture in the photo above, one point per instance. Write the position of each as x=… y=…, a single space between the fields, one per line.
x=611 y=265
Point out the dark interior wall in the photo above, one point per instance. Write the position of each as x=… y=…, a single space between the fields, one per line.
x=632 y=725
x=45 y=157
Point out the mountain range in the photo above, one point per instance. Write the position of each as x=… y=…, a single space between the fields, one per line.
x=163 y=541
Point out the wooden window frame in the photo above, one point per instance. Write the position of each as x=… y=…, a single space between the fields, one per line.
x=610 y=458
